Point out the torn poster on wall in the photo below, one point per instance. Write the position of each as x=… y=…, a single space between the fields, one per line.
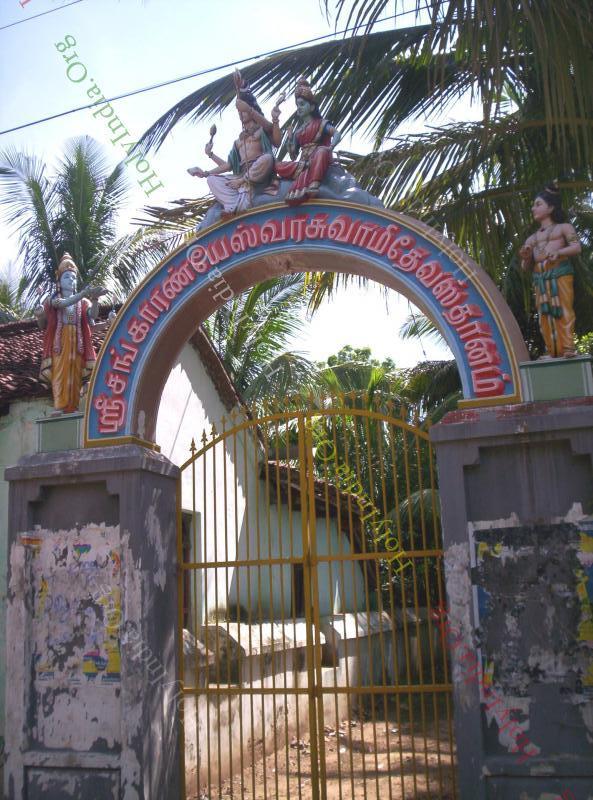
x=532 y=591
x=76 y=604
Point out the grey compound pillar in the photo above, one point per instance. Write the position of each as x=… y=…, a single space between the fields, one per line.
x=516 y=485
x=91 y=692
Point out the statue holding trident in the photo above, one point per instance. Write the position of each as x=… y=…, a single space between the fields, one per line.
x=545 y=253
x=68 y=352
x=252 y=158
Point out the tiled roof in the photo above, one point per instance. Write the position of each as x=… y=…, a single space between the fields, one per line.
x=21 y=345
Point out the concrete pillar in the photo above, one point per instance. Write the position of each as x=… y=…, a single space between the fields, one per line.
x=516 y=485
x=91 y=708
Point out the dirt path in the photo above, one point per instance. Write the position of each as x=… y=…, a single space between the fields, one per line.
x=369 y=760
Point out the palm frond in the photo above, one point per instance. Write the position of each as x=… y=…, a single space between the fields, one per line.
x=29 y=201
x=379 y=99
x=285 y=373
x=251 y=331
x=491 y=36
x=431 y=384
x=417 y=325
x=12 y=307
x=184 y=217
x=475 y=181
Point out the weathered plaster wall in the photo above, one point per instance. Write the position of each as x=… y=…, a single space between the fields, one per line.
x=516 y=494
x=93 y=647
x=72 y=579
x=18 y=437
x=189 y=404
x=182 y=415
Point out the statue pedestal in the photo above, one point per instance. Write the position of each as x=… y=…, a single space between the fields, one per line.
x=517 y=513
x=556 y=379
x=62 y=432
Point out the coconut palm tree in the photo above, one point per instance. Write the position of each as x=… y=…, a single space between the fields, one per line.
x=526 y=65
x=75 y=209
x=12 y=307
x=251 y=332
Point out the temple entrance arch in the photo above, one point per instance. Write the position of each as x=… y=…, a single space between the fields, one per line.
x=395 y=250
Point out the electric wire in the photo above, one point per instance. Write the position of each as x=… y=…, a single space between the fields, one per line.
x=42 y=14
x=204 y=71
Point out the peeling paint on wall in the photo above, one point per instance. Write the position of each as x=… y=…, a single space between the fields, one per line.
x=533 y=614
x=155 y=537
x=76 y=604
x=72 y=593
x=457 y=560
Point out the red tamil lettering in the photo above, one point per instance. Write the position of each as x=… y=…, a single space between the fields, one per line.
x=482 y=352
x=297 y=227
x=472 y=329
x=341 y=229
x=138 y=329
x=158 y=301
x=430 y=273
x=364 y=233
x=218 y=250
x=449 y=291
x=380 y=242
x=112 y=412
x=488 y=381
x=183 y=273
x=317 y=227
x=147 y=312
x=406 y=242
x=459 y=314
x=198 y=258
x=244 y=237
x=274 y=231
x=122 y=363
x=117 y=383
x=409 y=262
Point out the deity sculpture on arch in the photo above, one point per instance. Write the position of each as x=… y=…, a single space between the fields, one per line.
x=252 y=175
x=312 y=141
x=66 y=318
x=251 y=160
x=546 y=255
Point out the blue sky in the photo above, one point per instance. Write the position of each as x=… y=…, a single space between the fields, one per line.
x=130 y=44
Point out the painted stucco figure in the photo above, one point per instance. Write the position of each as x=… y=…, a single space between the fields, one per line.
x=251 y=159
x=68 y=354
x=546 y=254
x=310 y=146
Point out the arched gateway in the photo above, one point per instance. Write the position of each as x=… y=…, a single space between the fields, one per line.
x=391 y=248
x=309 y=537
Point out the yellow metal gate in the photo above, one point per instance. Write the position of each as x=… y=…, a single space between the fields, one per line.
x=311 y=559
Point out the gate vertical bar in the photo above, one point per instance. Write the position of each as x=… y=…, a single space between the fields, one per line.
x=307 y=566
x=315 y=607
x=180 y=605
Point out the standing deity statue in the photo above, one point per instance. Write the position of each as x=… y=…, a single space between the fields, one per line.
x=545 y=253
x=68 y=353
x=251 y=160
x=315 y=139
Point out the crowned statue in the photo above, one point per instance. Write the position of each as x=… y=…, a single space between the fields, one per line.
x=546 y=254
x=312 y=142
x=68 y=353
x=251 y=160
x=252 y=175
